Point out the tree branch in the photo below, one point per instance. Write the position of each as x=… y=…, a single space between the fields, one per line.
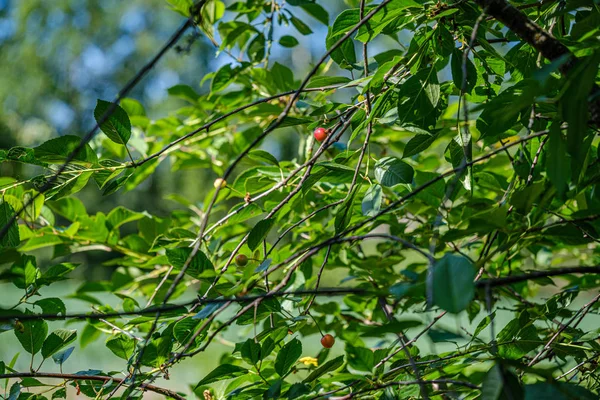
x=101 y=378
x=550 y=47
x=509 y=280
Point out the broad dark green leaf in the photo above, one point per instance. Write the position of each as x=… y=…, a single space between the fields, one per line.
x=453 y=283
x=371 y=203
x=329 y=366
x=198 y=264
x=288 y=41
x=223 y=371
x=31 y=334
x=121 y=346
x=287 y=356
x=259 y=233
x=58 y=150
x=11 y=239
x=57 y=340
x=391 y=171
x=115 y=124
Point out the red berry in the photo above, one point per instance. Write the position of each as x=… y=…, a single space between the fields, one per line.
x=327 y=341
x=241 y=260
x=320 y=134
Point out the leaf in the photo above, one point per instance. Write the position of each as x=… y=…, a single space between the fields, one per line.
x=557 y=162
x=300 y=26
x=58 y=150
x=574 y=107
x=116 y=125
x=316 y=11
x=62 y=356
x=453 y=286
x=184 y=92
x=263 y=156
x=500 y=384
x=418 y=96
x=32 y=335
x=371 y=203
x=121 y=345
x=344 y=55
x=207 y=311
x=322 y=81
x=57 y=340
x=223 y=371
x=288 y=41
x=222 y=78
x=259 y=233
x=457 y=71
x=198 y=264
x=11 y=239
x=251 y=351
x=418 y=143
x=557 y=391
x=287 y=356
x=391 y=171
x=329 y=366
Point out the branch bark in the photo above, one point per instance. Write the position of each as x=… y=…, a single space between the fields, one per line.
x=101 y=378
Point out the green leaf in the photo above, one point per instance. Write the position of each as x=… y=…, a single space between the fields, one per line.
x=58 y=150
x=199 y=263
x=251 y=351
x=371 y=203
x=322 y=81
x=557 y=162
x=57 y=340
x=453 y=286
x=116 y=126
x=391 y=171
x=11 y=239
x=223 y=371
x=259 y=233
x=386 y=17
x=121 y=345
x=288 y=41
x=418 y=96
x=500 y=384
x=574 y=107
x=457 y=71
x=301 y=26
x=316 y=11
x=418 y=143
x=557 y=391
x=329 y=366
x=287 y=356
x=121 y=215
x=263 y=156
x=31 y=335
x=344 y=55
x=257 y=48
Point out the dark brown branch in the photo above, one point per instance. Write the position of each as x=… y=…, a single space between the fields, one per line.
x=509 y=280
x=550 y=47
x=171 y=307
x=101 y=378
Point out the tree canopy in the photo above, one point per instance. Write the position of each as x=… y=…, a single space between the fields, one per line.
x=430 y=230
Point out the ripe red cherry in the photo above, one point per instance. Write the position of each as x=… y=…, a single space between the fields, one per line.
x=320 y=134
x=327 y=341
x=241 y=260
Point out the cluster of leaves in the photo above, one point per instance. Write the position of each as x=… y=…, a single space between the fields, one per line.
x=453 y=161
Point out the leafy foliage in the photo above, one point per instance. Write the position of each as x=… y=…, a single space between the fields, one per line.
x=458 y=180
